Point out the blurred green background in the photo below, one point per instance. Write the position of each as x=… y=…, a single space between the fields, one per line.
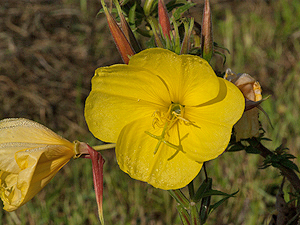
x=48 y=53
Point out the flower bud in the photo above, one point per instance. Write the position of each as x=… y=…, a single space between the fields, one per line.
x=207 y=36
x=248 y=126
x=164 y=19
x=123 y=45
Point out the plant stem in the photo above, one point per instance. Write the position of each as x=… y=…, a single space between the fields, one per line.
x=194 y=214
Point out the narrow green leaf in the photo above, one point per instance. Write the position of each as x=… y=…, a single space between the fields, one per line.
x=235 y=147
x=217 y=204
x=221 y=54
x=205 y=203
x=289 y=164
x=178 y=12
x=216 y=192
x=206 y=184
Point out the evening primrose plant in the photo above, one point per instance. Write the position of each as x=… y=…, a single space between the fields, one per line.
x=165 y=111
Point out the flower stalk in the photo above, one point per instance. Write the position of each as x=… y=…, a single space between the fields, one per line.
x=194 y=214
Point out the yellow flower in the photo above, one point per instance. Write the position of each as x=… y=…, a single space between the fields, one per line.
x=30 y=156
x=248 y=126
x=167 y=114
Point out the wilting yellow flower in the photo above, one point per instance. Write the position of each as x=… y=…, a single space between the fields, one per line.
x=248 y=126
x=30 y=156
x=167 y=113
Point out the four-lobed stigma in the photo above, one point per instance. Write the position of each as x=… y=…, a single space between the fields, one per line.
x=168 y=121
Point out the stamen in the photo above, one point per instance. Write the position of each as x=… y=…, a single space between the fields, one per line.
x=180 y=148
x=159 y=138
x=167 y=121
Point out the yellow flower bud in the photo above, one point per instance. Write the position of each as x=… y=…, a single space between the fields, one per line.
x=30 y=156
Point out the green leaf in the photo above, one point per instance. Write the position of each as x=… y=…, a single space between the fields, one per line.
x=204 y=210
x=221 y=54
x=175 y=3
x=217 y=204
x=289 y=164
x=265 y=139
x=132 y=15
x=235 y=147
x=204 y=187
x=216 y=192
x=221 y=47
x=180 y=10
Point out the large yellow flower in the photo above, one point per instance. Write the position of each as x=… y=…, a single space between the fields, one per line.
x=30 y=156
x=168 y=114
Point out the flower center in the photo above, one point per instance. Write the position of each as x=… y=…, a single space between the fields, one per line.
x=176 y=109
x=167 y=121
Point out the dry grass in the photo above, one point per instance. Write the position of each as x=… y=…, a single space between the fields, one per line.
x=48 y=56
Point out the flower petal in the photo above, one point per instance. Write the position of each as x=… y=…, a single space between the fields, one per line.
x=121 y=94
x=215 y=120
x=190 y=79
x=37 y=167
x=27 y=131
x=165 y=169
x=20 y=134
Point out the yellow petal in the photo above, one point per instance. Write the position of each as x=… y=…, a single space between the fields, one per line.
x=27 y=131
x=190 y=79
x=121 y=94
x=166 y=169
x=215 y=120
x=30 y=155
